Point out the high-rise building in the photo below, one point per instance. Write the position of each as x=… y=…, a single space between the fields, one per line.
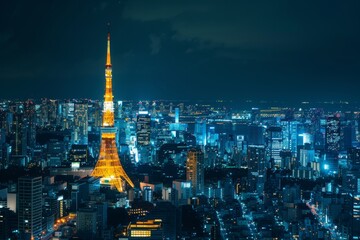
x=108 y=166
x=55 y=153
x=81 y=123
x=147 y=193
x=354 y=158
x=356 y=217
x=286 y=159
x=29 y=114
x=181 y=192
x=347 y=135
x=177 y=115
x=195 y=170
x=29 y=206
x=256 y=135
x=19 y=135
x=332 y=143
x=274 y=144
x=200 y=132
x=290 y=135
x=256 y=168
x=143 y=128
x=306 y=156
x=86 y=223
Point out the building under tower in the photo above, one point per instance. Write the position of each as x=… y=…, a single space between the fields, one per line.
x=108 y=166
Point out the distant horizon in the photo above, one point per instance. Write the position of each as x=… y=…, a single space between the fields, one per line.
x=235 y=105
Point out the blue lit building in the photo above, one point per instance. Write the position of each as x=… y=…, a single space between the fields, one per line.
x=332 y=143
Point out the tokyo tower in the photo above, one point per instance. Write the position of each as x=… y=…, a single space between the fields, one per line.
x=108 y=166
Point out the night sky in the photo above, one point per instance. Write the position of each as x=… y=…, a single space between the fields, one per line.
x=179 y=49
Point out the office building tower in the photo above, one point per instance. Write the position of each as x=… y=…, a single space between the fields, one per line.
x=143 y=128
x=55 y=153
x=177 y=115
x=256 y=135
x=19 y=135
x=286 y=159
x=332 y=142
x=212 y=137
x=256 y=168
x=3 y=121
x=29 y=206
x=147 y=193
x=356 y=217
x=228 y=189
x=176 y=127
x=306 y=157
x=351 y=180
x=195 y=170
x=347 y=135
x=86 y=223
x=181 y=192
x=274 y=143
x=200 y=132
x=29 y=114
x=68 y=111
x=354 y=158
x=81 y=123
x=290 y=135
x=2 y=136
x=108 y=166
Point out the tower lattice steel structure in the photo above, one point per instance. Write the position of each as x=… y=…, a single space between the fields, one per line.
x=108 y=166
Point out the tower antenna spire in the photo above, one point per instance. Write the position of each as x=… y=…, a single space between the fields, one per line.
x=108 y=24
x=108 y=57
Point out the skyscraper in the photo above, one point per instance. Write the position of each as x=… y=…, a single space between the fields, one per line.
x=274 y=144
x=19 y=135
x=108 y=166
x=256 y=167
x=29 y=114
x=195 y=170
x=356 y=217
x=86 y=223
x=143 y=128
x=200 y=132
x=181 y=192
x=354 y=158
x=81 y=123
x=332 y=143
x=29 y=206
x=290 y=135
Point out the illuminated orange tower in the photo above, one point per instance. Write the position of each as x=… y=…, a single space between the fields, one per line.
x=108 y=166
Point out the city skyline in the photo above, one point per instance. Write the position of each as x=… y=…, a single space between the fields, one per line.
x=234 y=50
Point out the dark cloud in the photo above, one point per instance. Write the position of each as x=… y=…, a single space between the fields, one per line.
x=155 y=44
x=182 y=49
